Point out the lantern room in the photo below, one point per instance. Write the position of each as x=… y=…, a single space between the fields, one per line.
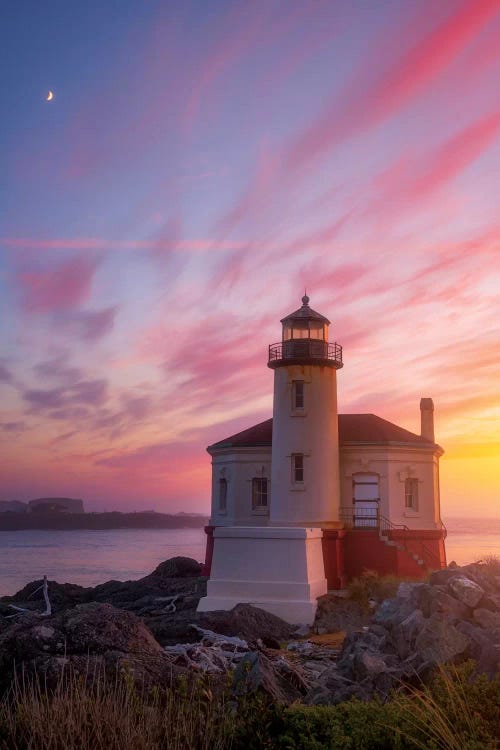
x=305 y=323
x=305 y=340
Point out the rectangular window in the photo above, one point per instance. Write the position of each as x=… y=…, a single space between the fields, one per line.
x=259 y=493
x=411 y=493
x=297 y=467
x=298 y=394
x=223 y=494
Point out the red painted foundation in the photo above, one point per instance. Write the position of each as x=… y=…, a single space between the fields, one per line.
x=347 y=553
x=209 y=551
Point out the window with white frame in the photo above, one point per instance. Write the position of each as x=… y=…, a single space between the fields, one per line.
x=223 y=494
x=259 y=493
x=298 y=468
x=298 y=394
x=411 y=493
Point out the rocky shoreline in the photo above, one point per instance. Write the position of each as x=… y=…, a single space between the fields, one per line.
x=150 y=629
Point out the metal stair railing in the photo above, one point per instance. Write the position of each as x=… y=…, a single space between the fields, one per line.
x=365 y=518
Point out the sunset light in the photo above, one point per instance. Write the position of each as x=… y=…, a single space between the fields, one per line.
x=200 y=166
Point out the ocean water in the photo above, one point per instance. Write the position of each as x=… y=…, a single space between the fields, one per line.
x=91 y=557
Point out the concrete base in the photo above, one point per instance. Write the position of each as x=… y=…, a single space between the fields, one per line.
x=278 y=569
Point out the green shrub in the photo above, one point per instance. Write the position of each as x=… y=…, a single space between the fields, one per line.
x=458 y=711
x=370 y=585
x=349 y=726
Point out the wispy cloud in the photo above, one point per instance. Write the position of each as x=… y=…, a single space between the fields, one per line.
x=58 y=287
x=368 y=100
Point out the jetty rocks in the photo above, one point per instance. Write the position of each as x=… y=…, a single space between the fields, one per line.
x=151 y=630
x=453 y=617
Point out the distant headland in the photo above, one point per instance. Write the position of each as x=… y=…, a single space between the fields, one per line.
x=68 y=513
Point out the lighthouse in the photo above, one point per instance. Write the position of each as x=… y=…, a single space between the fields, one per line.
x=305 y=444
x=269 y=553
x=309 y=499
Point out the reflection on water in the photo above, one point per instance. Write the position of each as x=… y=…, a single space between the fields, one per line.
x=471 y=539
x=90 y=557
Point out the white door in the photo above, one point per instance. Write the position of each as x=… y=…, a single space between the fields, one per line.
x=365 y=493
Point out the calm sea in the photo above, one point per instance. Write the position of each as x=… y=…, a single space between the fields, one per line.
x=91 y=557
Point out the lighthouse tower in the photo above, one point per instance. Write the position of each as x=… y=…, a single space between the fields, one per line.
x=305 y=449
x=279 y=565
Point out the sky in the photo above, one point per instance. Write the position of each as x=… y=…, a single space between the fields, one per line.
x=199 y=165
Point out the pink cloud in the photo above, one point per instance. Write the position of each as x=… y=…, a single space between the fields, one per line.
x=57 y=288
x=5 y=375
x=245 y=30
x=455 y=155
x=366 y=103
x=88 y=325
x=170 y=242
x=82 y=393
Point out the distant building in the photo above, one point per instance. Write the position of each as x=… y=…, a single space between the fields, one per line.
x=13 y=506
x=309 y=499
x=55 y=505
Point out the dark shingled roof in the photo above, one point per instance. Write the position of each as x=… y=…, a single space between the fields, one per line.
x=353 y=428
x=305 y=313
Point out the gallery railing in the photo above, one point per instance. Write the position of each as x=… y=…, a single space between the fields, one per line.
x=312 y=349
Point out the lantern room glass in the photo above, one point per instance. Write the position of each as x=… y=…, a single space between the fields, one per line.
x=305 y=329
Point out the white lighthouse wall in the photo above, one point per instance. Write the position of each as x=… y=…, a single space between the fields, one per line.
x=238 y=466
x=393 y=465
x=280 y=570
x=313 y=432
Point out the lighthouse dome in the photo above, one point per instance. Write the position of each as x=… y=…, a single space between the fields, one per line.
x=304 y=340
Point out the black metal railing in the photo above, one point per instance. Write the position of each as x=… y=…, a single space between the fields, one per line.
x=360 y=518
x=371 y=518
x=309 y=349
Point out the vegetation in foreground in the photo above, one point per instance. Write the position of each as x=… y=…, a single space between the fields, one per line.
x=458 y=711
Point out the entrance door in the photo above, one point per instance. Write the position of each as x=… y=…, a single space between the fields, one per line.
x=365 y=493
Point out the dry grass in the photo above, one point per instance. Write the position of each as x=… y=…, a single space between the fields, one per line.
x=456 y=712
x=95 y=715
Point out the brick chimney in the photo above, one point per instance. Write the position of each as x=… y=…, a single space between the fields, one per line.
x=427 y=418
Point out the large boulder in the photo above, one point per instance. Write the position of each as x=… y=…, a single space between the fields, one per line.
x=466 y=591
x=178 y=567
x=248 y=622
x=439 y=600
x=279 y=680
x=88 y=639
x=439 y=641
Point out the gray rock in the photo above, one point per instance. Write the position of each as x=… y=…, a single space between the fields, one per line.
x=487 y=619
x=466 y=591
x=255 y=672
x=97 y=638
x=437 y=599
x=404 y=634
x=409 y=590
x=443 y=577
x=248 y=622
x=491 y=601
x=367 y=664
x=178 y=567
x=439 y=641
x=392 y=611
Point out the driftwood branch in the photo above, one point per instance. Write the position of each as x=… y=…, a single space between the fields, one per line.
x=48 y=606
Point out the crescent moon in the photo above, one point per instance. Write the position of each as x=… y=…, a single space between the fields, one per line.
x=50 y=96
